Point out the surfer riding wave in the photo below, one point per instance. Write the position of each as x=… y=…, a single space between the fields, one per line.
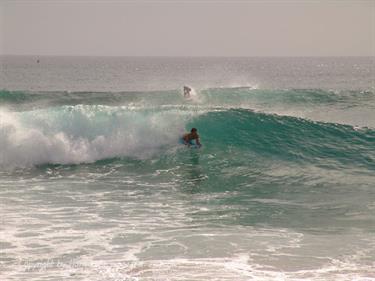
x=188 y=138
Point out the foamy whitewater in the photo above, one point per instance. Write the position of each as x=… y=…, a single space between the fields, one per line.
x=94 y=184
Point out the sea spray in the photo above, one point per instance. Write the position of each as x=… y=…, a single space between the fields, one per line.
x=84 y=134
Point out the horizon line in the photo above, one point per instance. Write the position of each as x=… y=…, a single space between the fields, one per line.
x=186 y=56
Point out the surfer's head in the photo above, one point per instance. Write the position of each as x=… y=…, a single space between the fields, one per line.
x=193 y=133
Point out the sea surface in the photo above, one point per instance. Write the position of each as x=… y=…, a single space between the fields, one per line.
x=94 y=184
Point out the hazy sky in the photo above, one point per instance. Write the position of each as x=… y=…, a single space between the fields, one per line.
x=188 y=28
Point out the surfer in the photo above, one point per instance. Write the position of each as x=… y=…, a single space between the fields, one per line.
x=189 y=137
x=187 y=91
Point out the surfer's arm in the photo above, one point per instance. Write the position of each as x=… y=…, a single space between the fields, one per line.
x=198 y=142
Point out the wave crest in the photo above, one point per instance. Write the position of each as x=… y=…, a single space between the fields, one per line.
x=84 y=134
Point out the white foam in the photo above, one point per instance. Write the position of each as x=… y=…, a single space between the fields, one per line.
x=84 y=134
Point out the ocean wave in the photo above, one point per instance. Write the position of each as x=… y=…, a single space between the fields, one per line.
x=87 y=133
x=289 y=137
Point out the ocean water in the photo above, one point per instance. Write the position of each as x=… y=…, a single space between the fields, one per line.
x=94 y=184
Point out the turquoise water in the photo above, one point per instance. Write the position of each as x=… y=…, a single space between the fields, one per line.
x=94 y=184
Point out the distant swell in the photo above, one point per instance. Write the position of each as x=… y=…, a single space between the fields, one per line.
x=215 y=96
